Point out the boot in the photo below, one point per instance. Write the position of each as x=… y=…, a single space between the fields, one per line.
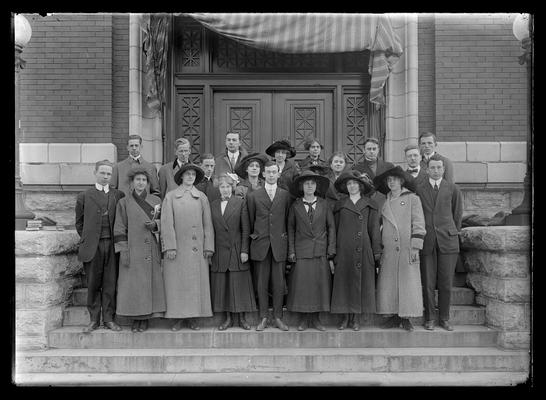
x=227 y=322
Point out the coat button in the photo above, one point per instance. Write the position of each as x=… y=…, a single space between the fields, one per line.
x=358 y=249
x=396 y=239
x=358 y=265
x=359 y=234
x=397 y=248
x=194 y=237
x=360 y=217
x=195 y=249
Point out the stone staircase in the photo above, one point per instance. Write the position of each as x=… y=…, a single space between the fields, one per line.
x=373 y=356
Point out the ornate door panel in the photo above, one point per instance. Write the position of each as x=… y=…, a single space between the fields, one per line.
x=247 y=113
x=298 y=116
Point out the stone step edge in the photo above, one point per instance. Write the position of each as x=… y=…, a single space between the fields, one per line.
x=276 y=379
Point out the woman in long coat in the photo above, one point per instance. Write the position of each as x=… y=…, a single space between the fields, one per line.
x=231 y=283
x=312 y=246
x=140 y=292
x=399 y=290
x=358 y=246
x=187 y=238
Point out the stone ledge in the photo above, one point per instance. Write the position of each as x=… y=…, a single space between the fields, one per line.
x=46 y=242
x=483 y=151
x=38 y=322
x=45 y=269
x=506 y=316
x=496 y=264
x=455 y=151
x=496 y=238
x=33 y=152
x=513 y=151
x=470 y=172
x=64 y=152
x=508 y=290
x=506 y=171
x=50 y=201
x=514 y=340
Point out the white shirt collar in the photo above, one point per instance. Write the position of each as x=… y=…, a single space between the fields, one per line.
x=236 y=154
x=270 y=187
x=433 y=182
x=100 y=188
x=426 y=158
x=135 y=158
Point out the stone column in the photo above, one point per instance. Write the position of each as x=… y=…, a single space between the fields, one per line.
x=497 y=261
x=46 y=267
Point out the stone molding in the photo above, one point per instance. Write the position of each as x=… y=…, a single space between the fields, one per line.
x=497 y=260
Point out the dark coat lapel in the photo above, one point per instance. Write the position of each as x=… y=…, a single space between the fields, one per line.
x=111 y=206
x=300 y=209
x=230 y=208
x=428 y=193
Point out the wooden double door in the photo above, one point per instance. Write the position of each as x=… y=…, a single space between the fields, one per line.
x=262 y=117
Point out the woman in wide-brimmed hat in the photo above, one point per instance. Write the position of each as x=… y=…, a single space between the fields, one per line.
x=358 y=246
x=399 y=292
x=311 y=244
x=188 y=244
x=140 y=290
x=281 y=151
x=313 y=146
x=249 y=171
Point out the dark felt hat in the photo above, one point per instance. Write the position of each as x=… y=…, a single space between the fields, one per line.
x=243 y=165
x=380 y=181
x=341 y=182
x=200 y=174
x=323 y=183
x=281 y=145
x=138 y=170
x=319 y=169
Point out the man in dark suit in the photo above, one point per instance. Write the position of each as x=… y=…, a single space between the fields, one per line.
x=207 y=184
x=443 y=209
x=372 y=166
x=413 y=161
x=427 y=145
x=95 y=212
x=168 y=171
x=268 y=210
x=121 y=169
x=231 y=158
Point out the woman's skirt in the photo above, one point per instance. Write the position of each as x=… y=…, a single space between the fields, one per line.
x=232 y=291
x=309 y=285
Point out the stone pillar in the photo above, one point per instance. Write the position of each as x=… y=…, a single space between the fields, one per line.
x=46 y=269
x=497 y=261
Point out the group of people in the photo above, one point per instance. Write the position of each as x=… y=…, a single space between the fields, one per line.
x=242 y=231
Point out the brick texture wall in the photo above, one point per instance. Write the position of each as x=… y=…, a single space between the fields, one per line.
x=480 y=90
x=75 y=84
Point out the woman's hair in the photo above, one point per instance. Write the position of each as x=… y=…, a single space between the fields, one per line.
x=224 y=178
x=137 y=171
x=308 y=142
x=339 y=154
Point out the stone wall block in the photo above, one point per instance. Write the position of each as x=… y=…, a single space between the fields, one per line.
x=64 y=152
x=46 y=242
x=483 y=151
x=50 y=201
x=77 y=174
x=38 y=296
x=455 y=151
x=480 y=200
x=46 y=268
x=514 y=340
x=38 y=322
x=470 y=172
x=33 y=152
x=507 y=316
x=496 y=238
x=508 y=290
x=501 y=265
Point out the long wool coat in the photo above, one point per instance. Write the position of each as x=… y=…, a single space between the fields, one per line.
x=357 y=240
x=399 y=282
x=140 y=285
x=186 y=226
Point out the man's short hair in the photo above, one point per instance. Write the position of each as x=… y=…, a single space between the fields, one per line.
x=233 y=133
x=269 y=164
x=435 y=157
x=371 y=139
x=135 y=137
x=181 y=141
x=427 y=134
x=103 y=162
x=207 y=156
x=339 y=154
x=411 y=147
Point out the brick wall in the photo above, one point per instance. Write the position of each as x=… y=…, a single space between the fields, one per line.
x=477 y=87
x=66 y=87
x=120 y=83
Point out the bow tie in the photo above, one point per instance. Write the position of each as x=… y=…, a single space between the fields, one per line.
x=310 y=204
x=411 y=170
x=225 y=198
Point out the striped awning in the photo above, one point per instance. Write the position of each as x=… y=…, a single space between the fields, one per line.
x=315 y=33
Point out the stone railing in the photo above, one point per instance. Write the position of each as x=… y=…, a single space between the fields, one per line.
x=46 y=270
x=497 y=261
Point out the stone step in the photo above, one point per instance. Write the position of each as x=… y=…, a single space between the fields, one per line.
x=177 y=360
x=277 y=379
x=462 y=336
x=459 y=314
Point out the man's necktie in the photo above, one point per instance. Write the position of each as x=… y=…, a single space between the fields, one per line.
x=270 y=193
x=435 y=191
x=413 y=170
x=310 y=210
x=232 y=161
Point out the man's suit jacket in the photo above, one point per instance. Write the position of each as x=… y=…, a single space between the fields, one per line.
x=382 y=166
x=207 y=187
x=231 y=232
x=288 y=174
x=268 y=223
x=443 y=218
x=421 y=176
x=309 y=240
x=89 y=219
x=166 y=178
x=122 y=168
x=223 y=165
x=448 y=167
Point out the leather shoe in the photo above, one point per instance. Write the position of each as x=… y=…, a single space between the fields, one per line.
x=302 y=324
x=407 y=325
x=446 y=325
x=242 y=322
x=281 y=325
x=344 y=322
x=226 y=324
x=177 y=326
x=262 y=325
x=91 y=327
x=112 y=325
x=143 y=325
x=193 y=325
x=317 y=325
x=355 y=323
x=429 y=325
x=392 y=322
x=136 y=325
